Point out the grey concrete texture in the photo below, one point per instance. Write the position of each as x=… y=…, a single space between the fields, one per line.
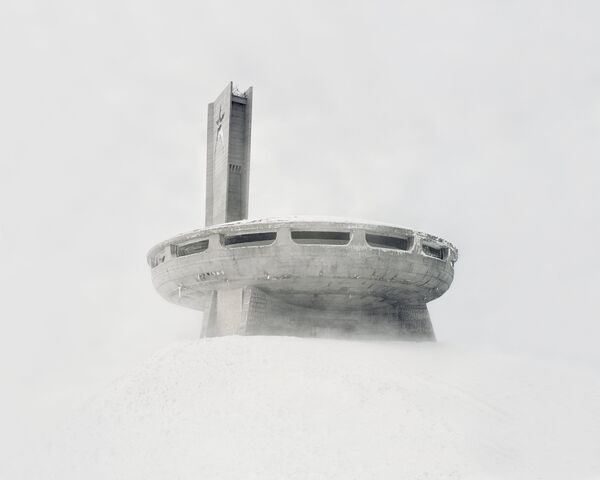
x=294 y=276
x=313 y=286
x=228 y=156
x=252 y=311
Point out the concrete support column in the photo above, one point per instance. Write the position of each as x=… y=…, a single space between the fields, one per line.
x=214 y=242
x=358 y=239
x=284 y=236
x=210 y=316
x=415 y=322
x=254 y=310
x=225 y=314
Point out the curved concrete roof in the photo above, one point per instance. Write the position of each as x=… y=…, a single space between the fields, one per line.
x=302 y=221
x=342 y=263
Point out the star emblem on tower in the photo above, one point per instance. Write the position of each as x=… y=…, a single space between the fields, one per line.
x=219 y=123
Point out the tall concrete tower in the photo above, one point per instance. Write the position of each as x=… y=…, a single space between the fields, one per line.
x=294 y=276
x=228 y=156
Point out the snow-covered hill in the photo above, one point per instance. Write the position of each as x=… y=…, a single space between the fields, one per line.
x=290 y=408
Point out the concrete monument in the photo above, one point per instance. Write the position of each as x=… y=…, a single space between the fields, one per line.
x=294 y=276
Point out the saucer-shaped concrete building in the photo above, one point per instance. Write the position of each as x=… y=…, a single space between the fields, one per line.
x=294 y=276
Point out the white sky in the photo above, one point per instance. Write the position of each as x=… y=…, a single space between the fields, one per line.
x=477 y=121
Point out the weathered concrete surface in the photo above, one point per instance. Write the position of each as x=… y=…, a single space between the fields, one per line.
x=252 y=311
x=228 y=156
x=291 y=276
x=284 y=285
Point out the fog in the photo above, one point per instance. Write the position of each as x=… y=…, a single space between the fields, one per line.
x=474 y=121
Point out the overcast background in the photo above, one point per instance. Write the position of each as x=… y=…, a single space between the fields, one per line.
x=476 y=121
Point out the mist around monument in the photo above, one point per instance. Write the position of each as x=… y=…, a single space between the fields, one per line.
x=472 y=122
x=293 y=276
x=308 y=365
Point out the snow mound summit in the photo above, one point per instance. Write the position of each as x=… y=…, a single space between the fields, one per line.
x=291 y=408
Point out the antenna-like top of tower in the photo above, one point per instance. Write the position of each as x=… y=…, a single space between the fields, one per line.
x=236 y=92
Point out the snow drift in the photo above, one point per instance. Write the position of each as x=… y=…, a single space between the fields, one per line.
x=291 y=408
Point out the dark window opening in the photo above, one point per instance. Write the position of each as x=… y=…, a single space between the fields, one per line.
x=250 y=239
x=382 y=241
x=321 y=238
x=437 y=252
x=189 y=248
x=157 y=260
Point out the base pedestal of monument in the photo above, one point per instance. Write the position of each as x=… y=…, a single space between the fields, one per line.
x=252 y=311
